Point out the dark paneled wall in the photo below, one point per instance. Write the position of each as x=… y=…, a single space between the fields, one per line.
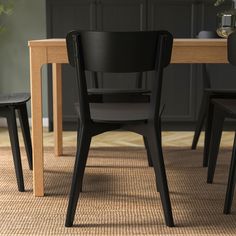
x=182 y=88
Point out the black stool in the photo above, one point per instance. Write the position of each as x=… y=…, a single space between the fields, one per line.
x=9 y=103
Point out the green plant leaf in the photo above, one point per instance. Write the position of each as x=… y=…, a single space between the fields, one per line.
x=6 y=8
x=218 y=2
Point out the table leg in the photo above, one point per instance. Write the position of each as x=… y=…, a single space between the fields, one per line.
x=37 y=59
x=57 y=109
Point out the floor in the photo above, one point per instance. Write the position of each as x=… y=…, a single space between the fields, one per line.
x=118 y=201
x=121 y=138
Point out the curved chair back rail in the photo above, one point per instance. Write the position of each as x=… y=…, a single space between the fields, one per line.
x=119 y=52
x=136 y=90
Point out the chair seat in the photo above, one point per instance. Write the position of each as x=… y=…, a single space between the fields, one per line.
x=119 y=112
x=14 y=99
x=227 y=105
x=109 y=91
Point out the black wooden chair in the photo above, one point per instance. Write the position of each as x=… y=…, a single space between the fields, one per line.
x=208 y=94
x=119 y=52
x=136 y=94
x=9 y=104
x=218 y=111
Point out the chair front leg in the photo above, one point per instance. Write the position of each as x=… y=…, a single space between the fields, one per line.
x=83 y=144
x=231 y=181
x=216 y=133
x=24 y=122
x=207 y=138
x=13 y=134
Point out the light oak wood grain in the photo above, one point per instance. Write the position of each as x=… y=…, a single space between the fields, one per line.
x=37 y=59
x=57 y=108
x=184 y=50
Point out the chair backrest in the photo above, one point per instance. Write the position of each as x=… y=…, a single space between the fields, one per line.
x=119 y=52
x=231 y=46
x=204 y=34
x=139 y=75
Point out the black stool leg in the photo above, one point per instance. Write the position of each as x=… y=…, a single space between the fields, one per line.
x=216 y=133
x=200 y=121
x=12 y=129
x=83 y=144
x=159 y=168
x=23 y=117
x=148 y=151
x=231 y=181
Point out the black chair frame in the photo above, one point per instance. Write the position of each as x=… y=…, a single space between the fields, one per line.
x=134 y=52
x=208 y=94
x=219 y=110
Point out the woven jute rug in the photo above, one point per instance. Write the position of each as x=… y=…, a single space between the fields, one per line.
x=119 y=195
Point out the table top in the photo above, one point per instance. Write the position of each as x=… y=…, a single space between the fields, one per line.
x=185 y=50
x=60 y=42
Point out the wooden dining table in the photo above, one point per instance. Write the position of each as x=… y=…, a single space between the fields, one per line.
x=53 y=51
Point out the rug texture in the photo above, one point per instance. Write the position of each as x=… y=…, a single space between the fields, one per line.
x=119 y=195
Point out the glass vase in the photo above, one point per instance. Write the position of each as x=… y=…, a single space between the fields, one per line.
x=227 y=21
